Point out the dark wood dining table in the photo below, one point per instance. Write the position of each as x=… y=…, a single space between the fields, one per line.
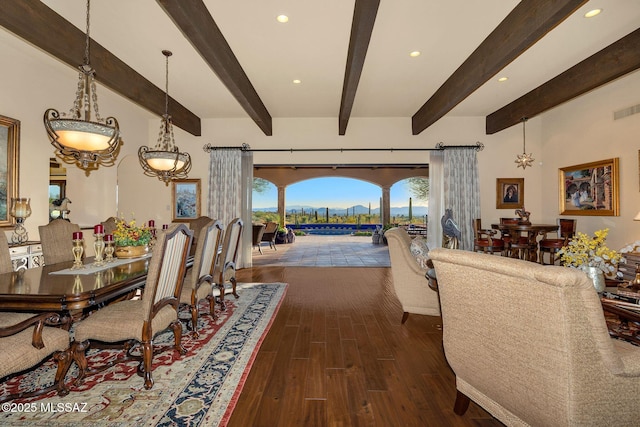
x=36 y=289
x=532 y=231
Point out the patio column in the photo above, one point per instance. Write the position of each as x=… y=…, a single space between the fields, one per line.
x=281 y=204
x=385 y=209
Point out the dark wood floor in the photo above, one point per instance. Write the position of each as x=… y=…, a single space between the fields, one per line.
x=337 y=355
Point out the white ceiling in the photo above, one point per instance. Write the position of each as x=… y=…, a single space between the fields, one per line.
x=313 y=45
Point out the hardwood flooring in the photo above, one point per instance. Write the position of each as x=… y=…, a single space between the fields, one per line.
x=337 y=355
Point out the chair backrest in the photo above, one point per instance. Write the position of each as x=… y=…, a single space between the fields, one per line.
x=271 y=227
x=258 y=232
x=546 y=321
x=566 y=227
x=167 y=269
x=509 y=220
x=57 y=242
x=197 y=224
x=230 y=246
x=206 y=252
x=5 y=255
x=109 y=225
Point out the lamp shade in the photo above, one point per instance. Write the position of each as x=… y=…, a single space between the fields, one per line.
x=20 y=207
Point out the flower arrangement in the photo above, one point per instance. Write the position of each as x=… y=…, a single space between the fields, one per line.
x=587 y=251
x=129 y=234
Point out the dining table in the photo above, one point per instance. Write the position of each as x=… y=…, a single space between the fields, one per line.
x=531 y=231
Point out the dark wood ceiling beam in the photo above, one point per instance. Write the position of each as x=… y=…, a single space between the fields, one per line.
x=364 y=16
x=39 y=25
x=196 y=23
x=616 y=60
x=527 y=23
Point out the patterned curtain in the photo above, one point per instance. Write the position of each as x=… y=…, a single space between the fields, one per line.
x=230 y=187
x=461 y=191
x=436 y=198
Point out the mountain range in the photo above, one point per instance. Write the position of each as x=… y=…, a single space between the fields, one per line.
x=354 y=210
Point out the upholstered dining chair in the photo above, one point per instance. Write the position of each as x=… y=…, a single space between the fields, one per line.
x=139 y=320
x=5 y=256
x=26 y=340
x=566 y=230
x=198 y=283
x=109 y=225
x=196 y=225
x=485 y=240
x=225 y=271
x=529 y=343
x=57 y=241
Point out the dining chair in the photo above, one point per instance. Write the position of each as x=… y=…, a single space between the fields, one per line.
x=5 y=256
x=109 y=225
x=26 y=341
x=196 y=226
x=566 y=230
x=57 y=242
x=484 y=240
x=225 y=271
x=198 y=283
x=518 y=244
x=139 y=320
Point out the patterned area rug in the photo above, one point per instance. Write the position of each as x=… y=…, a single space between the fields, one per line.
x=199 y=388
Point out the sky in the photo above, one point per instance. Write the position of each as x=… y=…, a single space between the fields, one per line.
x=334 y=193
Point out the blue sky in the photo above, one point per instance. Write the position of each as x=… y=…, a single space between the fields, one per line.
x=334 y=193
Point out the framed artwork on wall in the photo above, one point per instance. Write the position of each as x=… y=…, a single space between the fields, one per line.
x=185 y=196
x=590 y=189
x=509 y=193
x=9 y=163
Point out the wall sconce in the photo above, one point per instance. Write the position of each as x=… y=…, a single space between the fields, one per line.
x=20 y=210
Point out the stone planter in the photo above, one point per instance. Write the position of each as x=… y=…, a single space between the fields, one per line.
x=131 y=251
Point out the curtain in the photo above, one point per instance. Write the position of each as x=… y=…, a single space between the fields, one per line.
x=436 y=199
x=230 y=186
x=461 y=191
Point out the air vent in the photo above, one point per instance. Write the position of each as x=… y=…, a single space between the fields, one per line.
x=626 y=112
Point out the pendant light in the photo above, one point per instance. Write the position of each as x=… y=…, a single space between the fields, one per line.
x=525 y=159
x=165 y=160
x=79 y=139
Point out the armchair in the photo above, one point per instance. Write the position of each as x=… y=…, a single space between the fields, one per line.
x=409 y=282
x=269 y=235
x=529 y=343
x=258 y=232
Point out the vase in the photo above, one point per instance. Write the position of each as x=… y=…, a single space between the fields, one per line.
x=131 y=251
x=597 y=276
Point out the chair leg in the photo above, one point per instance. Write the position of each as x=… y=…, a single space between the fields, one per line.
x=462 y=403
x=405 y=316
x=233 y=287
x=147 y=358
x=77 y=351
x=63 y=360
x=212 y=306
x=194 y=319
x=177 y=336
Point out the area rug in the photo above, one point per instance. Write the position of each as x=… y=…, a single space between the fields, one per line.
x=198 y=388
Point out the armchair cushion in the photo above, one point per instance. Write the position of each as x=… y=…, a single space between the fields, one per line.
x=420 y=251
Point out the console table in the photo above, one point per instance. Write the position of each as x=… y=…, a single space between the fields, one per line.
x=26 y=255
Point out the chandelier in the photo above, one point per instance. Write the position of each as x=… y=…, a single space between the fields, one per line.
x=165 y=160
x=525 y=159
x=81 y=140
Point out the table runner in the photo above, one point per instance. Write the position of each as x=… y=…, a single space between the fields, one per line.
x=90 y=268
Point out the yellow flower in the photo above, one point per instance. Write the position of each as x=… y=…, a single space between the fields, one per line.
x=584 y=250
x=129 y=234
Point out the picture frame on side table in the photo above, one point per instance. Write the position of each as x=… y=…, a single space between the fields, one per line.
x=185 y=197
x=509 y=193
x=9 y=164
x=590 y=189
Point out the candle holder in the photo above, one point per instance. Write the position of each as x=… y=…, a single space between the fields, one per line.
x=109 y=249
x=20 y=210
x=153 y=240
x=78 y=250
x=98 y=246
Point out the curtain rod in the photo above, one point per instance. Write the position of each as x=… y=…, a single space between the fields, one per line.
x=478 y=146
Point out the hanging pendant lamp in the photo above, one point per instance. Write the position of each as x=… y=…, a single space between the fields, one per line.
x=525 y=159
x=78 y=139
x=165 y=160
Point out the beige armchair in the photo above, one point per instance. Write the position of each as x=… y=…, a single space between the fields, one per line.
x=529 y=343
x=409 y=281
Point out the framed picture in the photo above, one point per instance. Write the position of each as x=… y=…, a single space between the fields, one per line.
x=185 y=196
x=9 y=163
x=509 y=193
x=590 y=189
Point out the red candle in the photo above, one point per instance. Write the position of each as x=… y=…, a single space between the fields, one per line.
x=108 y=237
x=165 y=226
x=98 y=229
x=152 y=223
x=77 y=235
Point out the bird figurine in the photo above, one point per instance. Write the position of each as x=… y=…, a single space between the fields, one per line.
x=450 y=230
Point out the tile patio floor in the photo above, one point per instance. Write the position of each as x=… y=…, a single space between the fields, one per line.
x=325 y=251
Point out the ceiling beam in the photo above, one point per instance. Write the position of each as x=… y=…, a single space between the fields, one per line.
x=39 y=25
x=527 y=23
x=364 y=16
x=616 y=60
x=197 y=25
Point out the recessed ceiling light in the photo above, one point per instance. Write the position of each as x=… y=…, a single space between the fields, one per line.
x=415 y=53
x=592 y=13
x=282 y=18
x=503 y=79
x=297 y=82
